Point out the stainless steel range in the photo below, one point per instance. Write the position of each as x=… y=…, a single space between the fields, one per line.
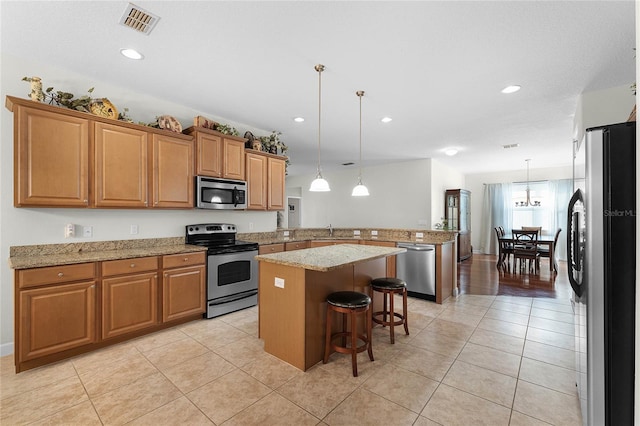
x=232 y=271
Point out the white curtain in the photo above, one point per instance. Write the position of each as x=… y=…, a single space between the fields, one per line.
x=560 y=194
x=496 y=211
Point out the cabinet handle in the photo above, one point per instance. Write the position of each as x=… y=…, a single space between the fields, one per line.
x=186 y=259
x=60 y=274
x=133 y=265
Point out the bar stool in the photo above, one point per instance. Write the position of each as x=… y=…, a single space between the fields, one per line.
x=349 y=303
x=389 y=286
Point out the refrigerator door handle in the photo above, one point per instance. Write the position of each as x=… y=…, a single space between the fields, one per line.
x=575 y=249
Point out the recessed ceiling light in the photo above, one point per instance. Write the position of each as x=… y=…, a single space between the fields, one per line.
x=131 y=53
x=386 y=119
x=511 y=89
x=451 y=151
x=298 y=119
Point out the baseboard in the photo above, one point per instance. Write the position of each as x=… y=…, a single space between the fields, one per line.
x=6 y=349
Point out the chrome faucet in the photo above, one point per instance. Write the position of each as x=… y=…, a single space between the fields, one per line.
x=330 y=230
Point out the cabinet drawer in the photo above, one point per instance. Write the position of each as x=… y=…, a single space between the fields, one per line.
x=183 y=259
x=296 y=245
x=129 y=266
x=271 y=248
x=55 y=274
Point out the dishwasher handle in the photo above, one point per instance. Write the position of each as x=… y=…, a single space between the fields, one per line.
x=415 y=247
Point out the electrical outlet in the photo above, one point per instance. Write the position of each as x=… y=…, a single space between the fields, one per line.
x=374 y=233
x=133 y=230
x=356 y=233
x=87 y=231
x=69 y=230
x=286 y=233
x=419 y=235
x=279 y=282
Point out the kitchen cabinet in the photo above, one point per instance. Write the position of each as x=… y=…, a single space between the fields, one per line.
x=296 y=245
x=256 y=168
x=266 y=181
x=67 y=158
x=172 y=166
x=457 y=205
x=183 y=285
x=271 y=248
x=120 y=166
x=55 y=310
x=51 y=158
x=217 y=154
x=129 y=295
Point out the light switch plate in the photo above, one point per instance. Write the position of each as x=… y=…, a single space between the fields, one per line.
x=374 y=233
x=419 y=235
x=286 y=233
x=356 y=233
x=87 y=231
x=279 y=282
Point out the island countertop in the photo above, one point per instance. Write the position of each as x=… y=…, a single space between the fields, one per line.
x=325 y=259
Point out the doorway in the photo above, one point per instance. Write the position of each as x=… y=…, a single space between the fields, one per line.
x=294 y=212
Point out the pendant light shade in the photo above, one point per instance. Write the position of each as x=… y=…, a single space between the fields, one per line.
x=360 y=190
x=319 y=184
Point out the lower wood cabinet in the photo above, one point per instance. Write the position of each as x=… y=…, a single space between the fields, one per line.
x=62 y=311
x=129 y=303
x=55 y=319
x=183 y=288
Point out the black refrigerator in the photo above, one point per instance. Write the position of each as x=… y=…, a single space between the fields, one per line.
x=601 y=246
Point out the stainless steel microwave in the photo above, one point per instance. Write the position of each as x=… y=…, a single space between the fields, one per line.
x=220 y=194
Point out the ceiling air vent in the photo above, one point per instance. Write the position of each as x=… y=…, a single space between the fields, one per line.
x=511 y=145
x=139 y=19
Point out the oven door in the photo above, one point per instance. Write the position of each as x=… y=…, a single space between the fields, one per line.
x=231 y=273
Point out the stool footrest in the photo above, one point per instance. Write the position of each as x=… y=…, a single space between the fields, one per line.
x=385 y=323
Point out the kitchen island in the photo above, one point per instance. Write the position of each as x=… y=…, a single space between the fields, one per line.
x=293 y=288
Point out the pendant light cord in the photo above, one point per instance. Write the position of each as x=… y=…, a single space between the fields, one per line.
x=319 y=68
x=360 y=94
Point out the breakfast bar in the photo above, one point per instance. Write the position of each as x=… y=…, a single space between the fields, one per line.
x=293 y=288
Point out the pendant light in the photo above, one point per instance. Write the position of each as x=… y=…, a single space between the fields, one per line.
x=528 y=201
x=319 y=184
x=360 y=190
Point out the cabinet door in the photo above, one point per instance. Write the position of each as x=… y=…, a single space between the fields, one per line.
x=129 y=303
x=121 y=178
x=172 y=172
x=391 y=260
x=183 y=292
x=233 y=162
x=51 y=154
x=257 y=181
x=208 y=155
x=276 y=191
x=56 y=318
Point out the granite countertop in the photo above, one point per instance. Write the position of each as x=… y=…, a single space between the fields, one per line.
x=331 y=257
x=37 y=256
x=394 y=235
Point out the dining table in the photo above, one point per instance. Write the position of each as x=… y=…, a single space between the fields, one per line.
x=544 y=238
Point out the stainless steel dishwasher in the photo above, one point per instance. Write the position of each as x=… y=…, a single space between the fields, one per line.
x=417 y=267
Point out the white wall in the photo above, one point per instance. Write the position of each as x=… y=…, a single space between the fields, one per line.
x=26 y=226
x=475 y=183
x=403 y=195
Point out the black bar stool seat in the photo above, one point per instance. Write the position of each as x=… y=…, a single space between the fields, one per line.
x=349 y=303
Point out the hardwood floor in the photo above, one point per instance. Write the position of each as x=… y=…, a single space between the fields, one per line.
x=479 y=275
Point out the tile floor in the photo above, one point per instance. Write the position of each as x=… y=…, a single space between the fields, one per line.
x=494 y=360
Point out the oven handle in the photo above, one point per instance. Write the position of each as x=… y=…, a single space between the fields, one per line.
x=234 y=297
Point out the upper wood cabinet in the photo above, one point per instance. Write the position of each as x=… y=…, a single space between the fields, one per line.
x=256 y=181
x=266 y=181
x=172 y=165
x=67 y=158
x=276 y=186
x=217 y=154
x=51 y=158
x=120 y=166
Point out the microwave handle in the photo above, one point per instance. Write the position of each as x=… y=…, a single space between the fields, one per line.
x=235 y=195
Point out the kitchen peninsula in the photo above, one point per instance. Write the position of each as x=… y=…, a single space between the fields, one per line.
x=293 y=288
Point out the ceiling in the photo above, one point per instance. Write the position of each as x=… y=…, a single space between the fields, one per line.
x=435 y=67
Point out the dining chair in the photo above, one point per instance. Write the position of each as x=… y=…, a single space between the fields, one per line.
x=525 y=249
x=543 y=251
x=505 y=250
x=532 y=228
